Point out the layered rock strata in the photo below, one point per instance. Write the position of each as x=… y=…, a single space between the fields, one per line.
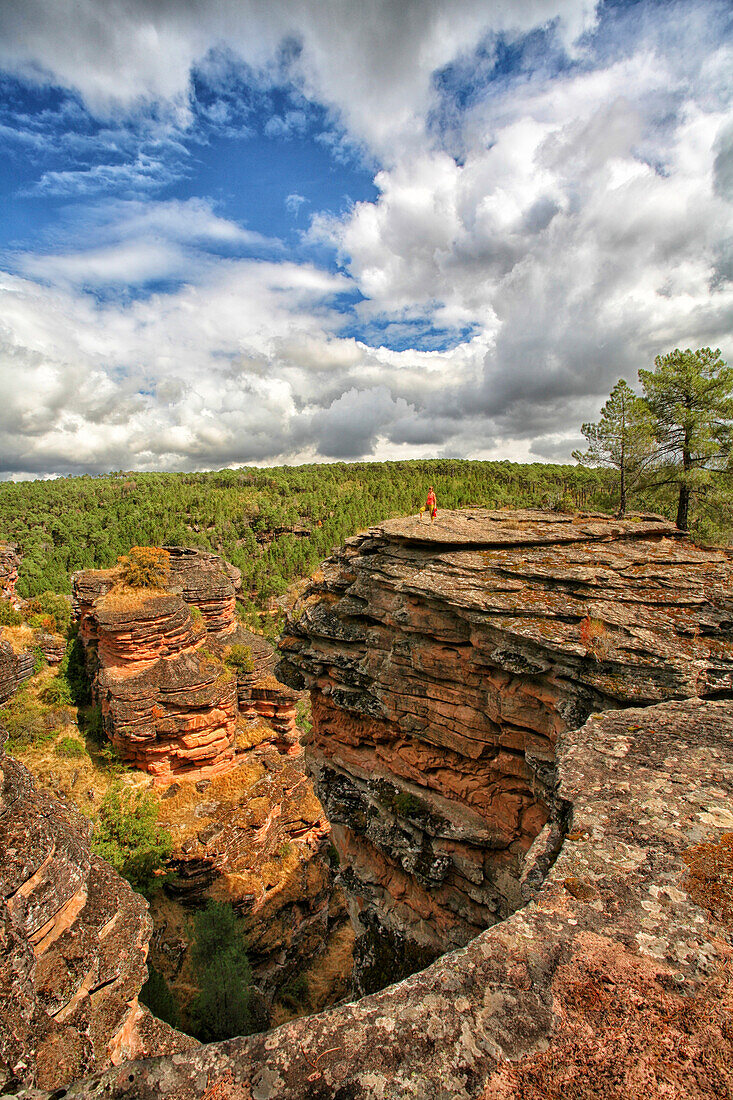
x=444 y=661
x=615 y=976
x=246 y=825
x=167 y=705
x=207 y=582
x=74 y=943
x=158 y=666
x=256 y=838
x=9 y=567
x=15 y=669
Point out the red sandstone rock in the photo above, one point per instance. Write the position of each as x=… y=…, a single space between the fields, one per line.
x=444 y=661
x=74 y=939
x=9 y=566
x=207 y=582
x=168 y=705
x=613 y=980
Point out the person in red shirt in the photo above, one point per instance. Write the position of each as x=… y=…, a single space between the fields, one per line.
x=431 y=505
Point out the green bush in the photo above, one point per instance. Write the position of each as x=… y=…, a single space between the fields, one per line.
x=39 y=621
x=91 y=724
x=195 y=613
x=128 y=836
x=303 y=717
x=69 y=747
x=57 y=607
x=157 y=995
x=56 y=693
x=8 y=615
x=26 y=720
x=295 y=994
x=73 y=669
x=145 y=567
x=239 y=657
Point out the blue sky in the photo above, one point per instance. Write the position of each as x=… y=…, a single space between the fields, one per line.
x=234 y=233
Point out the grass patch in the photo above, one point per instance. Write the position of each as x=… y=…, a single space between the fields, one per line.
x=70 y=748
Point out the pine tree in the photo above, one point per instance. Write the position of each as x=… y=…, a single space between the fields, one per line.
x=690 y=397
x=621 y=439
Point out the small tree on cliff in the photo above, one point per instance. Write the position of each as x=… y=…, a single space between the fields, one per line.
x=128 y=836
x=690 y=397
x=621 y=439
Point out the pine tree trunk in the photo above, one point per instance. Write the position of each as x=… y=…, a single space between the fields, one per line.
x=683 y=507
x=622 y=501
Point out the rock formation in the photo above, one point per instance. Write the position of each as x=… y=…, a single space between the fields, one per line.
x=188 y=695
x=615 y=976
x=157 y=662
x=15 y=668
x=74 y=944
x=9 y=566
x=444 y=662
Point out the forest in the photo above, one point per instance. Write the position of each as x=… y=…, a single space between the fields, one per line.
x=275 y=524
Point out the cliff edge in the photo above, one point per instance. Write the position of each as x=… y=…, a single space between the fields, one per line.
x=445 y=660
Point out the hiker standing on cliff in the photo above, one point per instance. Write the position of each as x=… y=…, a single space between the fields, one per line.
x=431 y=506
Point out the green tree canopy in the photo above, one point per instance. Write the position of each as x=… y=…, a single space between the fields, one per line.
x=621 y=439
x=690 y=397
x=222 y=1008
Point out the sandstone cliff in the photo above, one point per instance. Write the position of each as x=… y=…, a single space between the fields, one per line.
x=444 y=662
x=187 y=694
x=9 y=566
x=614 y=981
x=157 y=662
x=74 y=944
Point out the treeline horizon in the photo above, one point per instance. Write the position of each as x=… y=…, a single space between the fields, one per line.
x=278 y=523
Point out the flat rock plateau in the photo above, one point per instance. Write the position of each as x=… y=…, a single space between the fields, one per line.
x=523 y=741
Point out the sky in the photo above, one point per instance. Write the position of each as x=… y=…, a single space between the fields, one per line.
x=264 y=231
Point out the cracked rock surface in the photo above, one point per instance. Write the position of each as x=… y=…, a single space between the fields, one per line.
x=620 y=965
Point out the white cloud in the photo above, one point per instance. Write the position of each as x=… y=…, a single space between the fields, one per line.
x=371 y=62
x=574 y=218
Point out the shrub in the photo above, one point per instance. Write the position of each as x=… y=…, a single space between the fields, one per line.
x=239 y=657
x=92 y=725
x=303 y=715
x=595 y=638
x=195 y=613
x=25 y=719
x=8 y=615
x=41 y=621
x=145 y=567
x=73 y=669
x=56 y=693
x=69 y=747
x=128 y=836
x=157 y=995
x=295 y=994
x=55 y=609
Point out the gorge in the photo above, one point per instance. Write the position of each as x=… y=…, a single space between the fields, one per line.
x=523 y=743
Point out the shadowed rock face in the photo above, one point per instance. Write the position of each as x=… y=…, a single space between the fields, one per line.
x=444 y=661
x=616 y=973
x=74 y=942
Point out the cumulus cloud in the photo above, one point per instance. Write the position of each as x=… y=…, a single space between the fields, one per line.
x=544 y=226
